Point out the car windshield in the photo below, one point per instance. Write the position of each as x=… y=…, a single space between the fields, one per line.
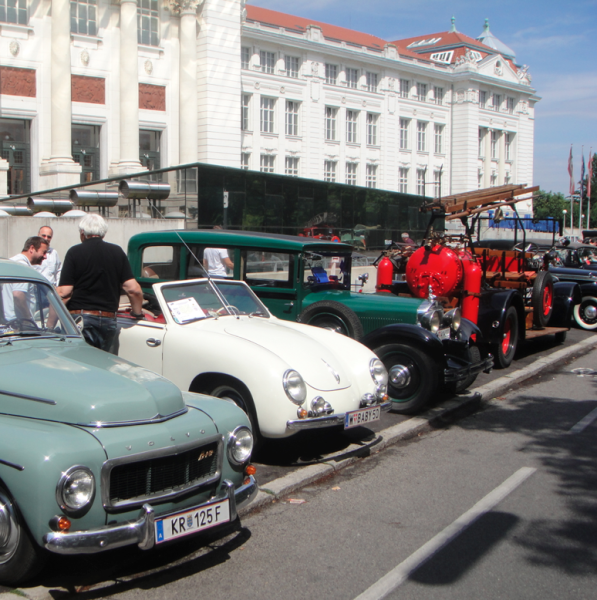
x=31 y=308
x=197 y=300
x=327 y=268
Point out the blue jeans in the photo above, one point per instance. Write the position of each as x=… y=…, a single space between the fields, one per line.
x=99 y=331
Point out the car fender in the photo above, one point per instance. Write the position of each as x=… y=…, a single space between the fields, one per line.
x=566 y=294
x=492 y=310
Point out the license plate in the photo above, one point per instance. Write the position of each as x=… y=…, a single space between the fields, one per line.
x=444 y=334
x=191 y=521
x=361 y=417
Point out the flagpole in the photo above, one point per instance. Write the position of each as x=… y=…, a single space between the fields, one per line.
x=582 y=187
x=571 y=190
x=590 y=177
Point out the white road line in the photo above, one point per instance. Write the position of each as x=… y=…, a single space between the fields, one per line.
x=584 y=422
x=400 y=573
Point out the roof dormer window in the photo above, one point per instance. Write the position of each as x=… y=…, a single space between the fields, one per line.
x=428 y=42
x=443 y=57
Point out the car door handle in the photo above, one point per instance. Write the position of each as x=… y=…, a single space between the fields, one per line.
x=153 y=342
x=291 y=304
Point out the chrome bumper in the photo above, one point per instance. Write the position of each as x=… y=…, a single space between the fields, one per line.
x=140 y=532
x=458 y=373
x=329 y=421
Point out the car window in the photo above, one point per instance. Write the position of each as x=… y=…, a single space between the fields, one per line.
x=326 y=268
x=588 y=255
x=268 y=269
x=160 y=262
x=217 y=261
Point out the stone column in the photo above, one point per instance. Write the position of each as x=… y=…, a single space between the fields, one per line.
x=502 y=158
x=487 y=161
x=129 y=89
x=60 y=169
x=188 y=105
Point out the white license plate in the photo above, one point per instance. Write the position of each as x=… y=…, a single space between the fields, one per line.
x=361 y=417
x=191 y=521
x=444 y=334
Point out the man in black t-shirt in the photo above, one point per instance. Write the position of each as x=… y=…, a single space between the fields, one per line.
x=92 y=275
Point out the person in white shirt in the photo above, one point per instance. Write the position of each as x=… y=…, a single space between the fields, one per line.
x=216 y=261
x=51 y=267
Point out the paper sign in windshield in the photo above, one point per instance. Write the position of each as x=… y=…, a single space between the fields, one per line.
x=186 y=310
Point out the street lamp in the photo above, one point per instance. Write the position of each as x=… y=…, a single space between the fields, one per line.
x=564 y=212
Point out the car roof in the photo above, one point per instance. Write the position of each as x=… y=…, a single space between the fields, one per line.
x=573 y=246
x=10 y=268
x=248 y=239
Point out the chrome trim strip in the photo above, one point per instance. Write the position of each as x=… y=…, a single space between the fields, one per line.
x=141 y=531
x=25 y=397
x=157 y=419
x=13 y=465
x=159 y=453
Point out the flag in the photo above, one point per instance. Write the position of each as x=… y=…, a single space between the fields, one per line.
x=590 y=176
x=582 y=176
x=570 y=172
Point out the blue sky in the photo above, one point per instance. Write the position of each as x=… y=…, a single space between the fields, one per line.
x=556 y=39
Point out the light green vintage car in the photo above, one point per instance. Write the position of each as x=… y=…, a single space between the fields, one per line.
x=96 y=452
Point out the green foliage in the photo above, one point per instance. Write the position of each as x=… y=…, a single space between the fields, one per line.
x=550 y=204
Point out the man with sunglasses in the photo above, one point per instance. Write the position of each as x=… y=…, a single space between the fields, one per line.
x=51 y=267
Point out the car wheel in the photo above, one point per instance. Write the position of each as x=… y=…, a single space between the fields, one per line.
x=20 y=558
x=504 y=352
x=585 y=313
x=474 y=356
x=334 y=316
x=542 y=298
x=413 y=377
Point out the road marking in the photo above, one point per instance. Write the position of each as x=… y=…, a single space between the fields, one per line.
x=584 y=422
x=400 y=573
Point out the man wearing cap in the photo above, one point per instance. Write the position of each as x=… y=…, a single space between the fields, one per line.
x=406 y=239
x=93 y=273
x=51 y=267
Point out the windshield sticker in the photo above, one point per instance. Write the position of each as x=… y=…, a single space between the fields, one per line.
x=186 y=310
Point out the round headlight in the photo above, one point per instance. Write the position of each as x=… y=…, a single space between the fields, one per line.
x=76 y=489
x=378 y=372
x=455 y=318
x=294 y=386
x=240 y=445
x=432 y=320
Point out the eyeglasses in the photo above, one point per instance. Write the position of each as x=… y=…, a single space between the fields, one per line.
x=46 y=236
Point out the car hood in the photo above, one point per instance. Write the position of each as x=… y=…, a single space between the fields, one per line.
x=71 y=382
x=319 y=366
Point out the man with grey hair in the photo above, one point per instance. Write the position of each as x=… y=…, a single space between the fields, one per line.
x=93 y=273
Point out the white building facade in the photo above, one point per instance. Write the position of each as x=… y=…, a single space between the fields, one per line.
x=91 y=89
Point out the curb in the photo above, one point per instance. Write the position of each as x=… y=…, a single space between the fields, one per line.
x=281 y=487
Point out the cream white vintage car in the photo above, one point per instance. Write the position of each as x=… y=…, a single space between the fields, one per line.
x=216 y=337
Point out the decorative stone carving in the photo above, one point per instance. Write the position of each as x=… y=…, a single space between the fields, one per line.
x=148 y=67
x=343 y=100
x=243 y=10
x=391 y=83
x=17 y=82
x=14 y=47
x=467 y=59
x=497 y=69
x=364 y=103
x=524 y=75
x=85 y=57
x=178 y=7
x=314 y=68
x=91 y=90
x=282 y=90
x=152 y=97
x=257 y=85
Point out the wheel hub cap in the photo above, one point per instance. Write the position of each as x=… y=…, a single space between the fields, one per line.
x=4 y=526
x=590 y=312
x=399 y=376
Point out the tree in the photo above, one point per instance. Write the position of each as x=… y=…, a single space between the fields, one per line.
x=551 y=204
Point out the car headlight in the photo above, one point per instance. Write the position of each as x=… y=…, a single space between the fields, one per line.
x=240 y=445
x=294 y=386
x=430 y=316
x=75 y=489
x=453 y=318
x=378 y=371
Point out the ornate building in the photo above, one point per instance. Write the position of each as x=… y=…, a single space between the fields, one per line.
x=91 y=89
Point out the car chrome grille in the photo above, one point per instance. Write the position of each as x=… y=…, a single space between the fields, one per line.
x=155 y=476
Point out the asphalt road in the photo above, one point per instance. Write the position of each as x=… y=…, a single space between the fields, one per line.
x=498 y=504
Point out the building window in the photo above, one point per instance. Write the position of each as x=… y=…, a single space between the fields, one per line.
x=494 y=145
x=245 y=57
x=508 y=145
x=329 y=171
x=292 y=115
x=291 y=168
x=403 y=180
x=404 y=88
x=437 y=183
x=481 y=142
x=422 y=92
x=292 y=64
x=267 y=60
x=421 y=181
x=351 y=173
x=510 y=105
x=244 y=160
x=497 y=102
x=83 y=15
x=331 y=74
x=352 y=117
x=438 y=131
x=404 y=126
x=372 y=129
x=483 y=99
x=371 y=180
x=244 y=112
x=371 y=82
x=148 y=22
x=421 y=136
x=267 y=115
x=266 y=163
x=15 y=11
x=493 y=180
x=438 y=94
x=330 y=123
x=352 y=78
